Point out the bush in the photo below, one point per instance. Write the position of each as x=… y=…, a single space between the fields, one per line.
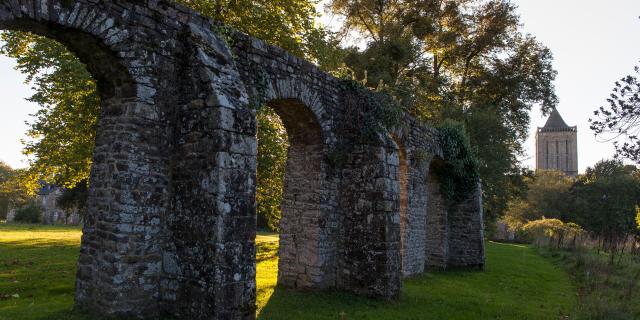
x=30 y=213
x=459 y=175
x=547 y=232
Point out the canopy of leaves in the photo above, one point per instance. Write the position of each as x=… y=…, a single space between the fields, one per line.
x=458 y=174
x=61 y=134
x=272 y=156
x=606 y=197
x=74 y=199
x=603 y=201
x=620 y=121
x=13 y=192
x=544 y=230
x=457 y=59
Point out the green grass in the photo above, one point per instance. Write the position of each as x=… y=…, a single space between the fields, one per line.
x=38 y=264
x=606 y=291
x=516 y=284
x=37 y=270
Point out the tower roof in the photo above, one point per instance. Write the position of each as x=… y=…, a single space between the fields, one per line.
x=555 y=121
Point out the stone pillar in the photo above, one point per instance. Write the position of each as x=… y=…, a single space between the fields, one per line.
x=370 y=253
x=437 y=228
x=466 y=236
x=120 y=255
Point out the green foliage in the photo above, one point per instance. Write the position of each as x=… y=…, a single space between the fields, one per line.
x=286 y=23
x=13 y=192
x=5 y=196
x=551 y=231
x=261 y=86
x=62 y=133
x=29 y=213
x=74 y=199
x=606 y=197
x=605 y=291
x=547 y=195
x=465 y=60
x=603 y=201
x=638 y=219
x=368 y=113
x=458 y=175
x=272 y=157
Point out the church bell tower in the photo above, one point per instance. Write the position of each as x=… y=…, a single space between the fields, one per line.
x=557 y=146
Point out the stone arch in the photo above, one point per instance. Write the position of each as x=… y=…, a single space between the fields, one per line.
x=303 y=228
x=120 y=250
x=437 y=224
x=292 y=89
x=403 y=201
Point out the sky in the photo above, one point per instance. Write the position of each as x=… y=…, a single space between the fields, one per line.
x=594 y=43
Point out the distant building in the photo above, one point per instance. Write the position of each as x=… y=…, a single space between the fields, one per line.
x=47 y=201
x=52 y=214
x=557 y=146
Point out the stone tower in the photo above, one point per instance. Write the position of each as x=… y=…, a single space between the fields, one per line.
x=557 y=146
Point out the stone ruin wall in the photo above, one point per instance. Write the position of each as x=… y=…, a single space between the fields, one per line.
x=170 y=226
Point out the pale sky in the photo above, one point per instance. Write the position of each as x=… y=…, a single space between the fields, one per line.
x=594 y=43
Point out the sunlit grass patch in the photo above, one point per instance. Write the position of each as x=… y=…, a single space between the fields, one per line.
x=38 y=263
x=37 y=270
x=516 y=284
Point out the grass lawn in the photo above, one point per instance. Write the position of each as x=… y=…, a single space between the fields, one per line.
x=37 y=271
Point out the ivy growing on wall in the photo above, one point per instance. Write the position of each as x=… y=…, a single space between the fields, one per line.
x=458 y=174
x=368 y=113
x=261 y=85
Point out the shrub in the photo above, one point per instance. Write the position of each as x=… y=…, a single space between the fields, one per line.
x=459 y=175
x=552 y=231
x=30 y=213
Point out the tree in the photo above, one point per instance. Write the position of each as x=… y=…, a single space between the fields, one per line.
x=606 y=197
x=74 y=200
x=62 y=134
x=272 y=156
x=13 y=193
x=620 y=121
x=459 y=59
x=5 y=173
x=547 y=195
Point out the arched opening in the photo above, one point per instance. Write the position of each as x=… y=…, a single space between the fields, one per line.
x=299 y=264
x=437 y=228
x=403 y=199
x=116 y=235
x=300 y=253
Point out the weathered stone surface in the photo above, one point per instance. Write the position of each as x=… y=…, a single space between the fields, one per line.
x=171 y=220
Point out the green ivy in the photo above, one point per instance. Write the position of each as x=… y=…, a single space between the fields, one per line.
x=225 y=33
x=371 y=112
x=262 y=90
x=458 y=174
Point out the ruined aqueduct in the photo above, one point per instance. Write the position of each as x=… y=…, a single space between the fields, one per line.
x=171 y=219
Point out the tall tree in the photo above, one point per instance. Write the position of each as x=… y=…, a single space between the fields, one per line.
x=620 y=121
x=12 y=191
x=547 y=196
x=62 y=132
x=5 y=173
x=460 y=59
x=607 y=196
